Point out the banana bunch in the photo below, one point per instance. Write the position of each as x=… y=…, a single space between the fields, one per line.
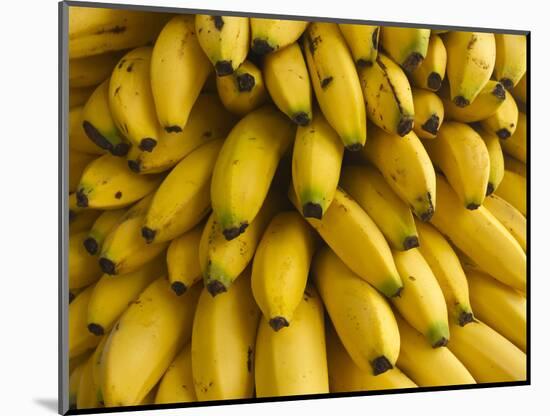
x=268 y=207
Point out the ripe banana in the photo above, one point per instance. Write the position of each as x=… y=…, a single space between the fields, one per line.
x=294 y=360
x=145 y=341
x=514 y=165
x=371 y=337
x=367 y=186
x=87 y=392
x=83 y=268
x=78 y=139
x=504 y=121
x=112 y=295
x=448 y=271
x=224 y=39
x=487 y=355
x=74 y=384
x=431 y=72
x=388 y=95
x=182 y=259
x=316 y=164
x=481 y=237
x=287 y=81
x=80 y=219
x=80 y=339
x=503 y=308
x=362 y=40
x=102 y=226
x=244 y=90
x=79 y=96
x=406 y=46
x=407 y=168
x=496 y=159
x=269 y=35
x=92 y=70
x=336 y=83
x=426 y=365
x=222 y=343
x=183 y=198
x=245 y=167
x=176 y=385
x=520 y=90
x=490 y=98
x=428 y=113
x=77 y=163
x=470 y=62
x=511 y=59
x=510 y=217
x=516 y=145
x=179 y=69
x=96 y=371
x=460 y=153
x=513 y=189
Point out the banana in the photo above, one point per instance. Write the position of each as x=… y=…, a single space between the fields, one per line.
x=245 y=167
x=367 y=186
x=78 y=139
x=481 y=237
x=99 y=125
x=407 y=168
x=281 y=266
x=145 y=341
x=222 y=343
x=83 y=268
x=270 y=35
x=421 y=302
x=96 y=370
x=520 y=90
x=487 y=355
x=224 y=39
x=80 y=339
x=431 y=72
x=361 y=316
x=496 y=160
x=293 y=361
x=470 y=63
x=112 y=295
x=362 y=40
x=356 y=239
x=489 y=100
x=503 y=308
x=74 y=384
x=510 y=217
x=511 y=59
x=287 y=81
x=406 y=46
x=514 y=165
x=80 y=219
x=344 y=376
x=428 y=366
x=513 y=189
x=461 y=154
x=92 y=70
x=183 y=198
x=222 y=261
x=87 y=393
x=131 y=99
x=516 y=145
x=182 y=258
x=336 y=83
x=316 y=164
x=79 y=96
x=428 y=113
x=77 y=163
x=101 y=227
x=208 y=120
x=388 y=95
x=243 y=90
x=448 y=271
x=179 y=69
x=176 y=385
x=504 y=121
x=107 y=183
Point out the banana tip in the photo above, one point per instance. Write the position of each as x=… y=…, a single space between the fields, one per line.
x=261 y=46
x=301 y=118
x=120 y=149
x=381 y=365
x=91 y=246
x=147 y=144
x=461 y=101
x=441 y=342
x=465 y=318
x=410 y=242
x=432 y=124
x=134 y=165
x=96 y=329
x=412 y=62
x=499 y=91
x=503 y=134
x=507 y=82
x=173 y=129
x=490 y=189
x=148 y=234
x=223 y=68
x=405 y=126
x=234 y=232
x=81 y=199
x=107 y=266
x=179 y=288
x=472 y=206
x=245 y=82
x=434 y=81
x=312 y=210
x=215 y=287
x=278 y=323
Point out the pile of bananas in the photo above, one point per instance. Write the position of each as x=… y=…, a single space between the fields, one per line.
x=226 y=190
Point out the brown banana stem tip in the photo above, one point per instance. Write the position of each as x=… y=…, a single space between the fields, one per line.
x=81 y=199
x=96 y=329
x=507 y=82
x=134 y=165
x=355 y=147
x=301 y=118
x=465 y=318
x=245 y=82
x=179 y=288
x=499 y=91
x=312 y=210
x=412 y=62
x=441 y=343
x=410 y=242
x=381 y=365
x=121 y=149
x=107 y=266
x=91 y=246
x=234 y=232
x=434 y=81
x=147 y=144
x=405 y=126
x=472 y=206
x=223 y=68
x=173 y=129
x=215 y=287
x=460 y=101
x=148 y=234
x=490 y=189
x=503 y=134
x=261 y=47
x=432 y=124
x=277 y=323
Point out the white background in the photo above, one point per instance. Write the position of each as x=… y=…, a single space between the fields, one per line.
x=28 y=204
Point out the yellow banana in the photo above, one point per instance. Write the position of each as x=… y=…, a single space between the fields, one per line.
x=428 y=113
x=496 y=160
x=407 y=168
x=481 y=237
x=513 y=189
x=448 y=271
x=245 y=167
x=461 y=154
x=77 y=163
x=316 y=163
x=74 y=384
x=182 y=259
x=269 y=35
x=336 y=83
x=362 y=41
x=78 y=139
x=100 y=229
x=388 y=95
x=510 y=217
x=487 y=355
x=79 y=96
x=224 y=39
x=514 y=165
x=92 y=70
x=96 y=370
x=426 y=365
x=406 y=46
x=361 y=316
x=176 y=385
x=87 y=392
x=80 y=219
x=503 y=308
x=516 y=145
x=470 y=62
x=490 y=98
x=294 y=360
x=222 y=344
x=431 y=72
x=511 y=59
x=504 y=121
x=367 y=186
x=179 y=69
x=287 y=81
x=83 y=268
x=80 y=339
x=520 y=90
